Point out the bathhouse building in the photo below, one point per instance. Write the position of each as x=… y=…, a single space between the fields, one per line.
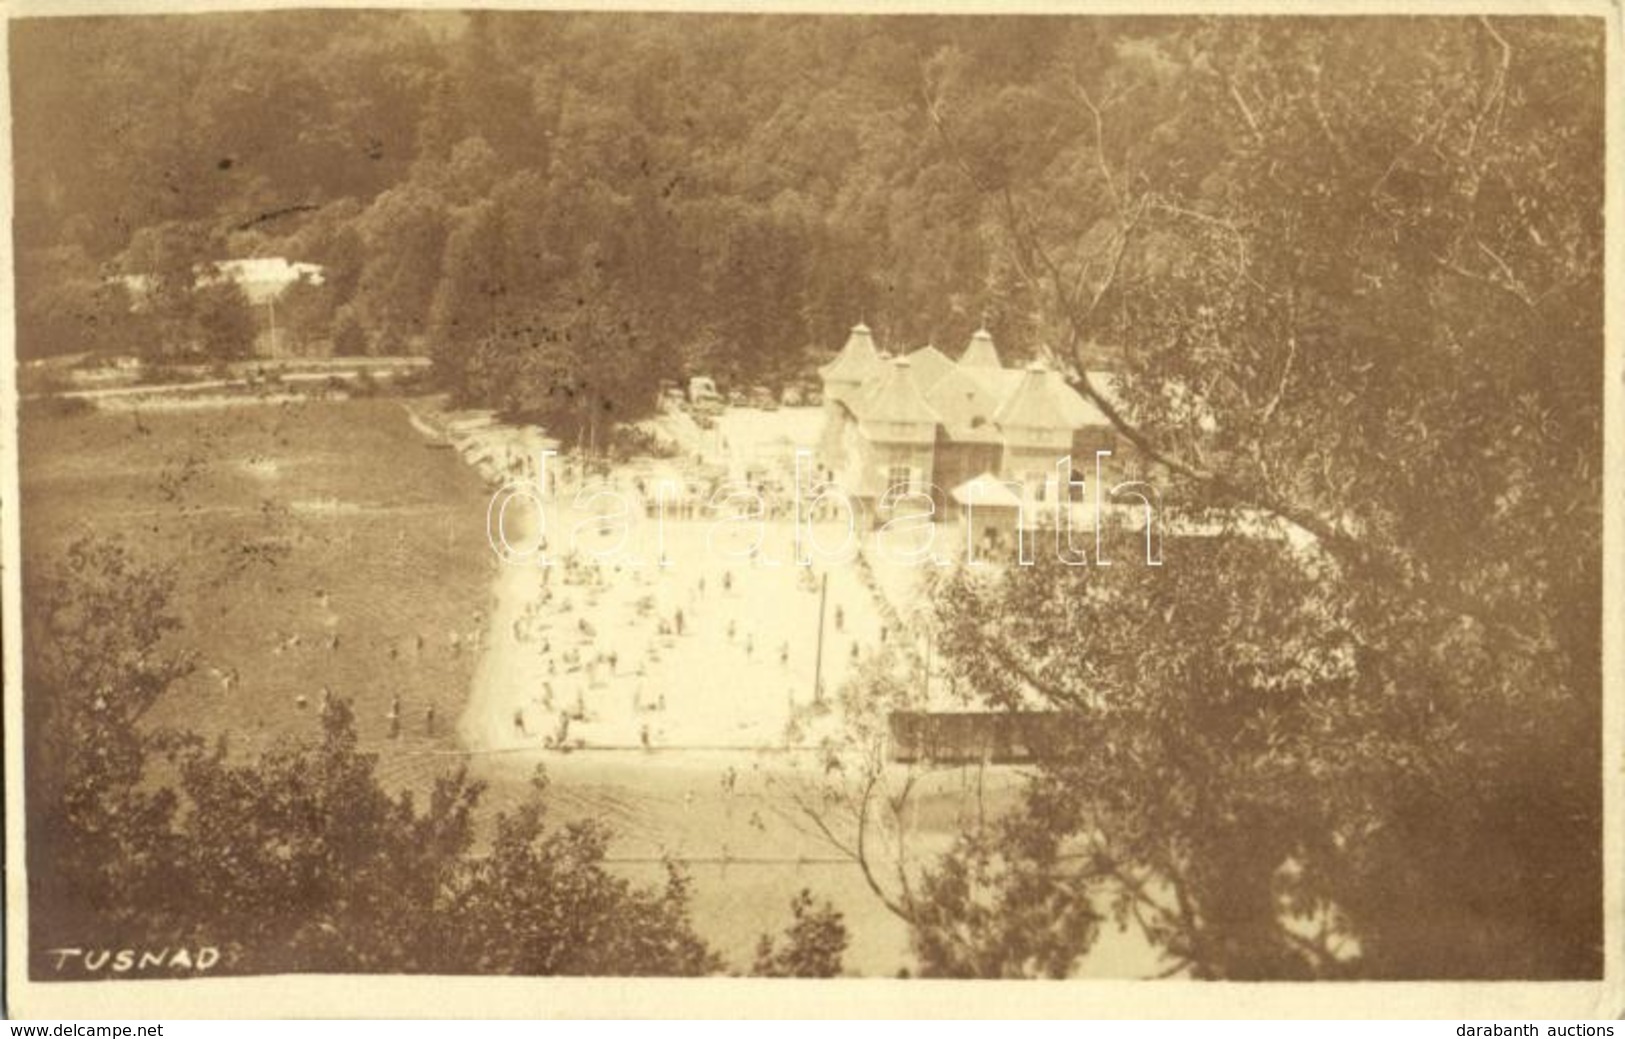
x=966 y=430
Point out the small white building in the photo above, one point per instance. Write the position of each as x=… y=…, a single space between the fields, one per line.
x=262 y=278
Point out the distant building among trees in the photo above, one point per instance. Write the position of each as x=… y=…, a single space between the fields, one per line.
x=262 y=286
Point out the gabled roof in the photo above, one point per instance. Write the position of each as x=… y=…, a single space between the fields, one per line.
x=930 y=365
x=975 y=400
x=1079 y=410
x=857 y=361
x=981 y=353
x=967 y=405
x=985 y=490
x=895 y=399
x=1041 y=400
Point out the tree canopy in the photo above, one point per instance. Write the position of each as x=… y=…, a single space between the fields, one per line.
x=745 y=187
x=1354 y=285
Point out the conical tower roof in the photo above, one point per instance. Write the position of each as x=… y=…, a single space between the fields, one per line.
x=857 y=361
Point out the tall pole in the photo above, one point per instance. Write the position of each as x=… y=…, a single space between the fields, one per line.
x=925 y=679
x=818 y=659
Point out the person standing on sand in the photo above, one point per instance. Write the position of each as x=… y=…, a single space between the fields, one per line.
x=519 y=721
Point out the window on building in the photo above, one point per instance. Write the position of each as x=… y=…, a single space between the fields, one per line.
x=899 y=479
x=1034 y=481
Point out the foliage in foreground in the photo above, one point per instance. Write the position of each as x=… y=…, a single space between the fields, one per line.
x=297 y=860
x=1357 y=282
x=811 y=947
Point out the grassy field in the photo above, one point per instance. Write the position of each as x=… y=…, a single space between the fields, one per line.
x=315 y=542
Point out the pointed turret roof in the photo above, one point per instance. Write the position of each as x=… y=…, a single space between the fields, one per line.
x=981 y=353
x=857 y=361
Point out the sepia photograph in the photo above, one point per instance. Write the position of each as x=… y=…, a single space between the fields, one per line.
x=853 y=495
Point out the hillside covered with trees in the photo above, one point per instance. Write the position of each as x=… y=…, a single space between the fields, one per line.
x=547 y=203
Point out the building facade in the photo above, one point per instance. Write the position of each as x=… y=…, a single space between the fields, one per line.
x=971 y=431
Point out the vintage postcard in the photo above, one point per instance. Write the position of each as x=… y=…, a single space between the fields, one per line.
x=779 y=508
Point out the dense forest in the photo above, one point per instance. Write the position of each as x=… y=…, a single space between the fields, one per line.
x=725 y=195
